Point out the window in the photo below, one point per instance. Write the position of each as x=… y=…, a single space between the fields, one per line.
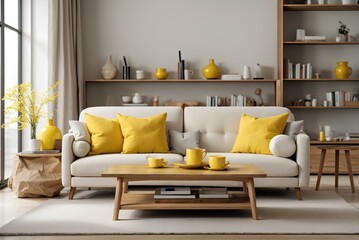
x=10 y=72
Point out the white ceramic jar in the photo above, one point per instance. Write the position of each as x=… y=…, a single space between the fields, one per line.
x=137 y=98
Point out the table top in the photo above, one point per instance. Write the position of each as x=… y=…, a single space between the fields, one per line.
x=143 y=172
x=347 y=142
x=38 y=155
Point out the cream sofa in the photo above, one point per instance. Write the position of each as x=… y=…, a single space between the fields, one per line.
x=218 y=128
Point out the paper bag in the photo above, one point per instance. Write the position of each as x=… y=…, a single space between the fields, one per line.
x=36 y=176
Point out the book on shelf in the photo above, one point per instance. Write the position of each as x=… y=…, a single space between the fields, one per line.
x=215 y=192
x=40 y=152
x=175 y=190
x=213 y=101
x=238 y=100
x=159 y=195
x=231 y=77
x=297 y=71
x=314 y=38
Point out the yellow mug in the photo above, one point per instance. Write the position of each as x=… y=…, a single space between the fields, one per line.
x=195 y=156
x=217 y=162
x=156 y=162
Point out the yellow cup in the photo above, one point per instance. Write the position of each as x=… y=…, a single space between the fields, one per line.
x=217 y=162
x=156 y=162
x=195 y=156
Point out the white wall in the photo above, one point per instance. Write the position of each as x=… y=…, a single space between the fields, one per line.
x=150 y=33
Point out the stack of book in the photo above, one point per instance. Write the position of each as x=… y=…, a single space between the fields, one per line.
x=352 y=136
x=174 y=193
x=213 y=192
x=238 y=100
x=337 y=98
x=213 y=101
x=297 y=71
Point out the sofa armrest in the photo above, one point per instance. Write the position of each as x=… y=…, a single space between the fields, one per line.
x=303 y=159
x=67 y=158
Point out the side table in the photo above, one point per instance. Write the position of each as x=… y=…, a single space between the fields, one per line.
x=337 y=148
x=36 y=175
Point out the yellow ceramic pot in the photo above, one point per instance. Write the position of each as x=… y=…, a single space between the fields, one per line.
x=48 y=136
x=342 y=71
x=211 y=71
x=161 y=73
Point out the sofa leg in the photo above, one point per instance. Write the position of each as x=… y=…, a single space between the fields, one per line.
x=298 y=193
x=72 y=193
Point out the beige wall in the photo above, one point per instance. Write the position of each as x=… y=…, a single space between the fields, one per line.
x=150 y=33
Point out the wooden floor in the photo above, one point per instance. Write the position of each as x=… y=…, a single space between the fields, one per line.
x=12 y=207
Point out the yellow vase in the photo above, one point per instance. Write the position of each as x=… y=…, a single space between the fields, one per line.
x=211 y=71
x=48 y=135
x=161 y=73
x=342 y=71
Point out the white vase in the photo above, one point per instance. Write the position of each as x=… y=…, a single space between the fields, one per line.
x=34 y=144
x=246 y=72
x=109 y=71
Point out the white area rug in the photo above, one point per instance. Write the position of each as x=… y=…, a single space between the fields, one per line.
x=321 y=212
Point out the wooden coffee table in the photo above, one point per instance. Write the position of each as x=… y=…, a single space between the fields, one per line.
x=125 y=173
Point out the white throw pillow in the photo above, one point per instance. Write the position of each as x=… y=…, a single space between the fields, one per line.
x=282 y=146
x=80 y=131
x=81 y=148
x=179 y=141
x=294 y=128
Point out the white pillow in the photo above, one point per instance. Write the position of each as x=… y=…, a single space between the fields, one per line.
x=282 y=146
x=181 y=141
x=80 y=131
x=81 y=148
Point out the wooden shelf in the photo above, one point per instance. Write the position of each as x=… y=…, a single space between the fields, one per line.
x=348 y=142
x=321 y=107
x=321 y=79
x=177 y=81
x=324 y=7
x=319 y=43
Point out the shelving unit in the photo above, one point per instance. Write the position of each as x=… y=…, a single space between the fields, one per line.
x=198 y=87
x=319 y=20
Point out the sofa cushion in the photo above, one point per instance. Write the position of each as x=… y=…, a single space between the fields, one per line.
x=282 y=146
x=144 y=135
x=81 y=146
x=293 y=128
x=179 y=141
x=80 y=131
x=106 y=136
x=273 y=166
x=254 y=133
x=95 y=165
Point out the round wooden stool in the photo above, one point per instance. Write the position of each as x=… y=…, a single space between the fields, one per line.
x=337 y=148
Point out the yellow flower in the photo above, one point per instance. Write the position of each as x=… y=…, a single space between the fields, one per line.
x=29 y=104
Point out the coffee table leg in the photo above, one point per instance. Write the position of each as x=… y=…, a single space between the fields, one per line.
x=252 y=198
x=245 y=189
x=118 y=196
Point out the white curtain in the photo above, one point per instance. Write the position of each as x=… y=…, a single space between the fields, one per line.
x=65 y=60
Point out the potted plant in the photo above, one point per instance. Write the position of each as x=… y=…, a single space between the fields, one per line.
x=343 y=30
x=29 y=104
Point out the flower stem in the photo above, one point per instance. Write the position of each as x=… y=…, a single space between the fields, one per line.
x=33 y=131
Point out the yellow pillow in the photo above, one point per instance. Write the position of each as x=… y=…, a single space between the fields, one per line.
x=106 y=136
x=144 y=135
x=254 y=134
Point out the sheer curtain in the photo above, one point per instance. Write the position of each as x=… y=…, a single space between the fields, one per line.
x=65 y=60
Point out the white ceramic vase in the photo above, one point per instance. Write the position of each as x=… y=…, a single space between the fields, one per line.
x=109 y=71
x=34 y=144
x=246 y=72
